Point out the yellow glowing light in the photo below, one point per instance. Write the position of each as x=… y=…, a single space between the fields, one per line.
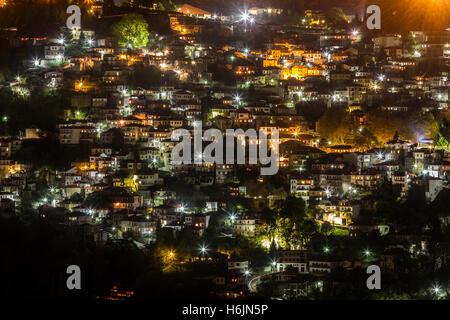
x=433 y=14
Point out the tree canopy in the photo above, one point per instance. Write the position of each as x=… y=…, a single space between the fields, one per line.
x=132 y=31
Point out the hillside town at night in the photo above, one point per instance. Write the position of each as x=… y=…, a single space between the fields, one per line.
x=93 y=92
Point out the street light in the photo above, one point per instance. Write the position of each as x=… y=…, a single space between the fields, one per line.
x=245 y=16
x=367 y=252
x=237 y=99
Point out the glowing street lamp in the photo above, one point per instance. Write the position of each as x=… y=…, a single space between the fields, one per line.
x=367 y=252
x=237 y=100
x=326 y=249
x=232 y=218
x=245 y=17
x=436 y=289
